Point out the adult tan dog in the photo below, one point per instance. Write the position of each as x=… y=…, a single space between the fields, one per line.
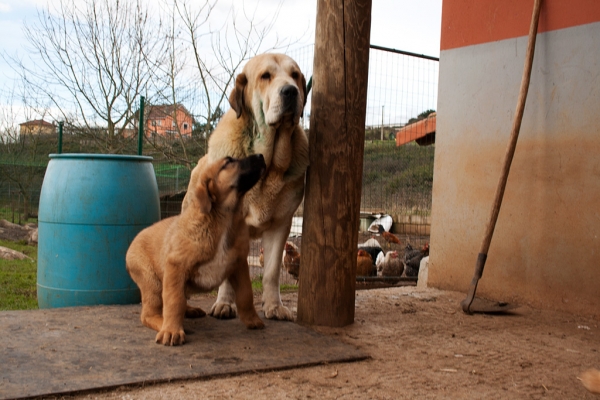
x=197 y=250
x=266 y=105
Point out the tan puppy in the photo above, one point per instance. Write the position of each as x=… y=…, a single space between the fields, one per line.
x=266 y=105
x=197 y=250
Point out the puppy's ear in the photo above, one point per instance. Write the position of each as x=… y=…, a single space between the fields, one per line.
x=305 y=89
x=204 y=195
x=236 y=98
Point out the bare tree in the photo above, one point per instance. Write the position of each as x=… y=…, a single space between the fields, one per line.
x=93 y=59
x=232 y=44
x=201 y=65
x=89 y=61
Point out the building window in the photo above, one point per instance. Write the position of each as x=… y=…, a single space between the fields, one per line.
x=185 y=126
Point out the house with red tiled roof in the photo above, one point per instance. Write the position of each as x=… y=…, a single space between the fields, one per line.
x=168 y=121
x=37 y=127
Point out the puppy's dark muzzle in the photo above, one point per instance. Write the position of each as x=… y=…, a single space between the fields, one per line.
x=252 y=169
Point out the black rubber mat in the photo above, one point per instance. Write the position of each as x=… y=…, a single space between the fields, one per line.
x=59 y=351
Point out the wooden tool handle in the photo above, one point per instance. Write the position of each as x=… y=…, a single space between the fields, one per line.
x=514 y=135
x=510 y=152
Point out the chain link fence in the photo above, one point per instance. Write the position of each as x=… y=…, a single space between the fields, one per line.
x=397 y=180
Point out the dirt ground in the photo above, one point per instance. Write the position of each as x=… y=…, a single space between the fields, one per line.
x=421 y=347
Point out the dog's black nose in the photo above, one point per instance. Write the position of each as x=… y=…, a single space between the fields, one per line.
x=253 y=168
x=289 y=91
x=254 y=161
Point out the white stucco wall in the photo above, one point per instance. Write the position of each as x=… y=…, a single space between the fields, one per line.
x=546 y=246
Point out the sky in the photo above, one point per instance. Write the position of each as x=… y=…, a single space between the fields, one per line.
x=407 y=25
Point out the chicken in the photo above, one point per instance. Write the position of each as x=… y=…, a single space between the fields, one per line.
x=389 y=237
x=291 y=259
x=391 y=265
x=376 y=254
x=372 y=242
x=373 y=247
x=261 y=258
x=364 y=264
x=412 y=259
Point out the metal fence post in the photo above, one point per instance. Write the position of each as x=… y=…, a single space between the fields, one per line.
x=141 y=126
x=60 y=136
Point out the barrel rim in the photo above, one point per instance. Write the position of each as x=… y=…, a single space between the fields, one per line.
x=92 y=156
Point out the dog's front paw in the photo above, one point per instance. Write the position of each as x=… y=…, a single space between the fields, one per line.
x=255 y=323
x=279 y=312
x=223 y=310
x=170 y=338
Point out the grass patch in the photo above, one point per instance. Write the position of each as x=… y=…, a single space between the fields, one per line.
x=397 y=179
x=257 y=286
x=288 y=288
x=14 y=215
x=18 y=279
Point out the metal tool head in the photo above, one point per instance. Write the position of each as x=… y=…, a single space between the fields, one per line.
x=479 y=305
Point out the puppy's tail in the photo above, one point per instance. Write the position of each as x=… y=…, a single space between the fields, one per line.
x=591 y=380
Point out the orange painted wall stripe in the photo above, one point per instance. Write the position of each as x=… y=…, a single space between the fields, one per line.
x=469 y=22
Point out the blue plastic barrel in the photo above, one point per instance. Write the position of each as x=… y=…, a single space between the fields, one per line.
x=91 y=207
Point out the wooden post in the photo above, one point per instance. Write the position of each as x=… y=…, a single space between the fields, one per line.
x=334 y=177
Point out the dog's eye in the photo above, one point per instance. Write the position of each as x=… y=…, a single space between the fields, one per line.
x=266 y=76
x=295 y=75
x=228 y=160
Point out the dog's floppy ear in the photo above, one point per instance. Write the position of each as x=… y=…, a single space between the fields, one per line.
x=205 y=196
x=236 y=98
x=305 y=89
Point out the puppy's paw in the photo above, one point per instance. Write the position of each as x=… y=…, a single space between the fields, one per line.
x=170 y=338
x=255 y=323
x=223 y=310
x=279 y=312
x=194 y=312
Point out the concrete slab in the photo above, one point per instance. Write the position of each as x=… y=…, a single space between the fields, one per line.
x=59 y=351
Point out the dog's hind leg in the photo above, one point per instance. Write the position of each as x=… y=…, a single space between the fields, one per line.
x=273 y=242
x=244 y=299
x=194 y=312
x=151 y=290
x=152 y=312
x=152 y=304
